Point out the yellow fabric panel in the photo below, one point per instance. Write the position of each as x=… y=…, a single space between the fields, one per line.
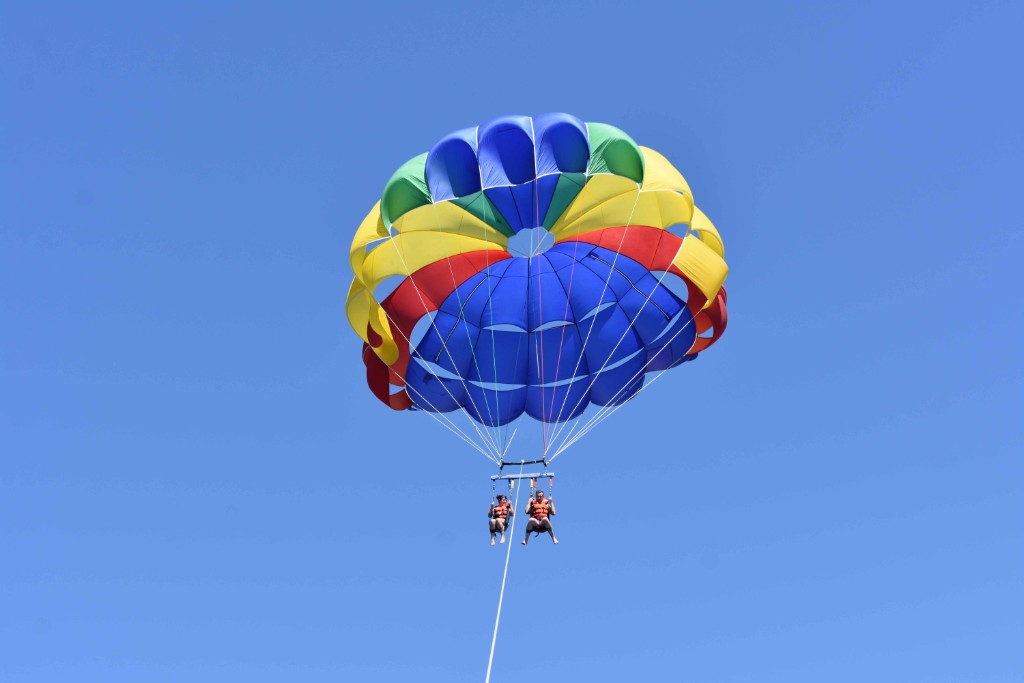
x=448 y=218
x=370 y=230
x=405 y=254
x=613 y=204
x=363 y=310
x=702 y=266
x=388 y=350
x=660 y=174
x=436 y=223
x=357 y=309
x=598 y=189
x=703 y=226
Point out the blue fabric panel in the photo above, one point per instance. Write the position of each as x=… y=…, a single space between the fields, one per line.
x=619 y=385
x=553 y=404
x=547 y=300
x=502 y=357
x=624 y=340
x=645 y=318
x=503 y=201
x=651 y=307
x=481 y=404
x=473 y=296
x=611 y=338
x=495 y=408
x=506 y=151
x=666 y=351
x=559 y=261
x=432 y=393
x=586 y=291
x=452 y=169
x=507 y=305
x=569 y=401
x=517 y=267
x=554 y=355
x=523 y=196
x=574 y=250
x=449 y=343
x=480 y=310
x=620 y=271
x=545 y=190
x=562 y=144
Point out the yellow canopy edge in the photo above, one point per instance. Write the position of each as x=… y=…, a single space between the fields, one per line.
x=448 y=218
x=705 y=229
x=660 y=174
x=702 y=265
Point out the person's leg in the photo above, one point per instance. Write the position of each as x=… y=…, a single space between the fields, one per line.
x=494 y=529
x=550 y=529
x=531 y=526
x=501 y=528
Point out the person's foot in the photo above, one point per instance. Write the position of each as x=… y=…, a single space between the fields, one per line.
x=492 y=540
x=555 y=541
x=503 y=540
x=524 y=542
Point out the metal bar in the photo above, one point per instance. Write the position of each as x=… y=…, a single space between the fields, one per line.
x=535 y=475
x=542 y=461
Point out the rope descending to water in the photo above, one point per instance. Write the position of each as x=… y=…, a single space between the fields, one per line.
x=501 y=596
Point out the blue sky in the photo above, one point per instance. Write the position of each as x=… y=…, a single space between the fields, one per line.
x=195 y=483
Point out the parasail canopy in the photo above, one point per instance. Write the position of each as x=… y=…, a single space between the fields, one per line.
x=532 y=266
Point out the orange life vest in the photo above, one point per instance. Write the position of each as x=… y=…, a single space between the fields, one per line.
x=540 y=509
x=501 y=510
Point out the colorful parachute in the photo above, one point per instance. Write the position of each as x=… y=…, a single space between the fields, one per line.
x=532 y=265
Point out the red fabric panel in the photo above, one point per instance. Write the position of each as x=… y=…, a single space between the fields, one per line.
x=377 y=379
x=717 y=317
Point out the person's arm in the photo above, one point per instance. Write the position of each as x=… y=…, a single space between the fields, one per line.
x=490 y=513
x=551 y=507
x=529 y=506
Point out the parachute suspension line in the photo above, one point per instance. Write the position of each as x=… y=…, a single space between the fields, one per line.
x=502 y=430
x=512 y=438
x=529 y=302
x=469 y=340
x=608 y=410
x=484 y=439
x=540 y=343
x=625 y=387
x=440 y=417
x=561 y=341
x=436 y=414
x=540 y=297
x=486 y=403
x=504 y=576
x=604 y=290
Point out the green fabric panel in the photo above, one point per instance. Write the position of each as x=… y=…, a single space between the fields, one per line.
x=406 y=190
x=568 y=186
x=480 y=206
x=612 y=151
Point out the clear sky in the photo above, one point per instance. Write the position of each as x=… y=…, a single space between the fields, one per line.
x=196 y=484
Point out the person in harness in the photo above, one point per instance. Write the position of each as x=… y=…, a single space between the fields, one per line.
x=499 y=514
x=541 y=510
